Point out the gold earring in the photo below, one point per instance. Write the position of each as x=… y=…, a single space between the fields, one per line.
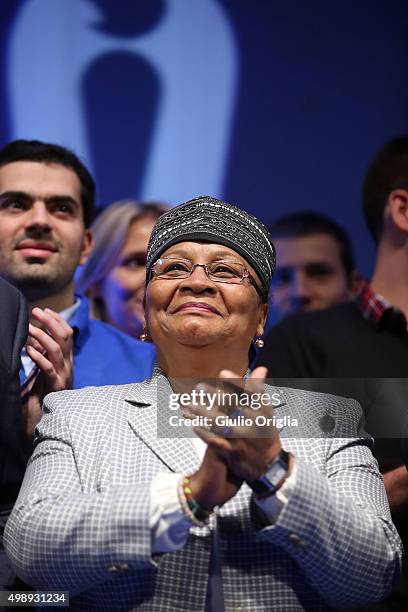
x=259 y=343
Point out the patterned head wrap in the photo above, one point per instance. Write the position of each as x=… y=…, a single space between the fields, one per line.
x=212 y=220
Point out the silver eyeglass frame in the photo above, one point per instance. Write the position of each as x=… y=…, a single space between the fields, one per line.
x=245 y=275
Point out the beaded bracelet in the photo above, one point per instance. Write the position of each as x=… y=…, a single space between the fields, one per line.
x=194 y=511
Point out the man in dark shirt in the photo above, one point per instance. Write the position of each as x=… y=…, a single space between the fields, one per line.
x=366 y=338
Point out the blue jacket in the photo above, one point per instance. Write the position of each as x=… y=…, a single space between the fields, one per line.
x=103 y=355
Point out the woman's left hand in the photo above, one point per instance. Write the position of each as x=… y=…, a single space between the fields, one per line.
x=246 y=446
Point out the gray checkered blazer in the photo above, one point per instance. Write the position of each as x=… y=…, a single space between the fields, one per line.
x=81 y=522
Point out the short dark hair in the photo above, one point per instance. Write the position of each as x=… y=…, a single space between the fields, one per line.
x=388 y=171
x=37 y=151
x=308 y=223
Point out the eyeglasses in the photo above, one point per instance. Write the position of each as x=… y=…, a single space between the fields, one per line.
x=232 y=272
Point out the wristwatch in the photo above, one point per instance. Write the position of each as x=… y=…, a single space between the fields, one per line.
x=269 y=482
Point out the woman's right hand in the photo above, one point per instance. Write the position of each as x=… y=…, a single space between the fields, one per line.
x=213 y=484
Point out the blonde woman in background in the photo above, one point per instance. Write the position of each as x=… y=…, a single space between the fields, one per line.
x=113 y=277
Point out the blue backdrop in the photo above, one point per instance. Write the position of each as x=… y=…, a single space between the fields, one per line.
x=275 y=106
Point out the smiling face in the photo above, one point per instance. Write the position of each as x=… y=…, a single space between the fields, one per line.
x=197 y=312
x=42 y=233
x=122 y=290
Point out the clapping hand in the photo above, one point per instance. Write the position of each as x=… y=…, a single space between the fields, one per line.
x=238 y=452
x=49 y=345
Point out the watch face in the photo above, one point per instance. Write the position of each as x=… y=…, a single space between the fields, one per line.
x=274 y=474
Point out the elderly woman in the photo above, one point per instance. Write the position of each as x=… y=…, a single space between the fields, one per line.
x=125 y=506
x=113 y=278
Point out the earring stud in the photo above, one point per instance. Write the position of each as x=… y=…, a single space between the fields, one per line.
x=145 y=336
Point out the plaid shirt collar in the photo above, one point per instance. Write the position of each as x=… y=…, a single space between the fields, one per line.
x=378 y=311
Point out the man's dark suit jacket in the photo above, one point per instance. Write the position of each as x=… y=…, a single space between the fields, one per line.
x=13 y=334
x=338 y=351
x=334 y=343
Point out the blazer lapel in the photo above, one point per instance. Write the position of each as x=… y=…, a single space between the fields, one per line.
x=177 y=453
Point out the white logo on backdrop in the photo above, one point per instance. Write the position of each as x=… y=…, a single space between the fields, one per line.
x=193 y=51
